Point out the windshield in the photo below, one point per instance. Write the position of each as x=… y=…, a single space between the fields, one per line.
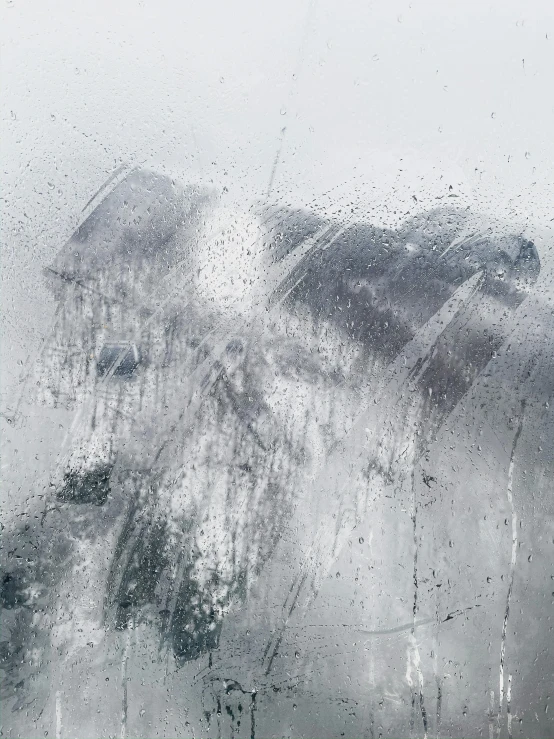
x=276 y=371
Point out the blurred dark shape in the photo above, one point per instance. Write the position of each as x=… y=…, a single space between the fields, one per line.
x=123 y=359
x=86 y=486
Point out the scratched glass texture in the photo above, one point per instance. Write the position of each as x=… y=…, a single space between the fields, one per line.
x=277 y=370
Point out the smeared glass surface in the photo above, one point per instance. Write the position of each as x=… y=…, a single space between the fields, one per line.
x=280 y=460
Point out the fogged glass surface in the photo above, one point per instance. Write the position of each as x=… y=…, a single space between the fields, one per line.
x=278 y=327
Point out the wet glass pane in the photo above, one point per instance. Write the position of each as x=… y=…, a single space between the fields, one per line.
x=276 y=389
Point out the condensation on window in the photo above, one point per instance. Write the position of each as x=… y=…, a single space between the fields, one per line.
x=276 y=394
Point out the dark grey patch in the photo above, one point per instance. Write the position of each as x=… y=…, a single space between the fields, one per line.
x=234 y=348
x=428 y=479
x=379 y=292
x=197 y=620
x=147 y=561
x=12 y=592
x=125 y=358
x=92 y=486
